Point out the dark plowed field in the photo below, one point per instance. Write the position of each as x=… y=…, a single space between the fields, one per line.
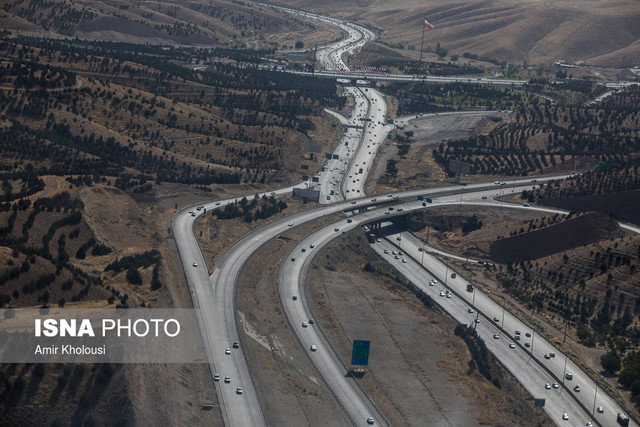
x=624 y=206
x=573 y=233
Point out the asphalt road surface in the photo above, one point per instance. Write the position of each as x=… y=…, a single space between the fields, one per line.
x=215 y=295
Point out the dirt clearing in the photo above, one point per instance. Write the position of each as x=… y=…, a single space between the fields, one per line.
x=418 y=370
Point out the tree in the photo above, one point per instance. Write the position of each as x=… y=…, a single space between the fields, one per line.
x=610 y=362
x=442 y=52
x=299 y=45
x=133 y=276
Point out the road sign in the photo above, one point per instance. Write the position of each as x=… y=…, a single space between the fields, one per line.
x=360 y=353
x=429 y=200
x=390 y=121
x=420 y=198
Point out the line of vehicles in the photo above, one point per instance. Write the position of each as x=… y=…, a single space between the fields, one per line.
x=398 y=256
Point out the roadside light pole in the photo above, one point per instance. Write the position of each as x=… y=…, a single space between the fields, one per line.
x=533 y=337
x=428 y=228
x=564 y=373
x=446 y=274
x=422 y=262
x=503 y=320
x=593 y=411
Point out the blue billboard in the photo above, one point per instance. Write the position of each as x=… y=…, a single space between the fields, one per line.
x=360 y=353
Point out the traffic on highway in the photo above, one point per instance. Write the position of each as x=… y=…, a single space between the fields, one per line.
x=571 y=396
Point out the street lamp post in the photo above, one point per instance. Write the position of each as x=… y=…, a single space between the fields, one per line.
x=593 y=411
x=533 y=337
x=446 y=274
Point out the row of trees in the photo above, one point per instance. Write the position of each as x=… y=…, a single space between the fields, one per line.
x=257 y=209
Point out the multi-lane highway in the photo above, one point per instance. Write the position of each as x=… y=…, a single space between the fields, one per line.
x=219 y=327
x=350 y=396
x=346 y=173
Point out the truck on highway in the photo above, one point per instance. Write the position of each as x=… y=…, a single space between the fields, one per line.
x=469 y=287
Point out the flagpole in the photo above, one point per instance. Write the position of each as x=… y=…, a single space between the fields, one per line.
x=422 y=42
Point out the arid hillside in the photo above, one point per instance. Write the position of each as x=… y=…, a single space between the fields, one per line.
x=600 y=33
x=201 y=23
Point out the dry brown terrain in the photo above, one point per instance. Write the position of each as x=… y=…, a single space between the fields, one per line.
x=107 y=394
x=289 y=387
x=418 y=369
x=602 y=33
x=206 y=23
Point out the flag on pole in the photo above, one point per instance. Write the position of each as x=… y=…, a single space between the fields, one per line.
x=429 y=24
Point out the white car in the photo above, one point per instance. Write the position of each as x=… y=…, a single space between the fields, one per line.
x=547 y=386
x=512 y=345
x=370 y=421
x=496 y=336
x=304 y=324
x=404 y=261
x=441 y=293
x=195 y=264
x=470 y=310
x=313 y=347
x=565 y=417
x=227 y=380
x=227 y=351
x=239 y=390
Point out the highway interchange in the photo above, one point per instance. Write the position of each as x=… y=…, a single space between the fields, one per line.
x=345 y=174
